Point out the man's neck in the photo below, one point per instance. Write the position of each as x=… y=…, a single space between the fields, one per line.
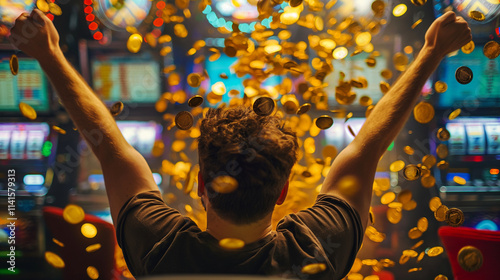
x=248 y=233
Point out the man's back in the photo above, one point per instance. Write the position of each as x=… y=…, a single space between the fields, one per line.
x=156 y=239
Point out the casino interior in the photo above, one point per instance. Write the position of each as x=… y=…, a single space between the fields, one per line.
x=321 y=65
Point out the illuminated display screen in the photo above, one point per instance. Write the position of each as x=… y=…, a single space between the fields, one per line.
x=120 y=14
x=354 y=67
x=22 y=140
x=482 y=91
x=126 y=79
x=474 y=136
x=338 y=134
x=11 y=9
x=28 y=86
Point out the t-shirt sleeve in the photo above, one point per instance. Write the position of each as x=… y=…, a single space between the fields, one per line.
x=144 y=221
x=335 y=225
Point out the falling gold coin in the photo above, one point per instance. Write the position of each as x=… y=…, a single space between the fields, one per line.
x=440 y=86
x=429 y=161
x=55 y=9
x=313 y=268
x=399 y=10
x=435 y=251
x=410 y=253
x=416 y=23
x=418 y=3
x=224 y=184
x=411 y=172
x=459 y=180
x=263 y=106
x=440 y=213
x=54 y=260
x=414 y=233
x=158 y=148
x=58 y=242
x=93 y=248
x=443 y=165
x=134 y=43
x=418 y=244
x=58 y=129
x=422 y=224
x=434 y=203
x=324 y=122
x=184 y=120
x=454 y=217
x=365 y=101
x=116 y=108
x=386 y=74
x=442 y=151
x=42 y=5
x=194 y=80
x=408 y=150
x=394 y=215
x=454 y=114
x=27 y=111
x=304 y=109
x=441 y=277
x=491 y=50
x=400 y=60
x=14 y=64
x=428 y=181
x=468 y=48
x=378 y=8
x=476 y=15
x=384 y=87
x=92 y=272
x=387 y=198
x=231 y=243
x=73 y=214
x=88 y=230
x=195 y=101
x=423 y=112
x=351 y=131
x=397 y=166
x=470 y=258
x=443 y=134
x=463 y=75
x=405 y=196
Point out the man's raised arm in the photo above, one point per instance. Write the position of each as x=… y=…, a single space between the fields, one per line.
x=357 y=163
x=126 y=173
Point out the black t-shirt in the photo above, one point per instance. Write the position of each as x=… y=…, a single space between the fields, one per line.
x=157 y=239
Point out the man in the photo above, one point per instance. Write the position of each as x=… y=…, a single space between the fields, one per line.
x=254 y=151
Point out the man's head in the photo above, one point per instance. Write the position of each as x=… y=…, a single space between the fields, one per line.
x=254 y=150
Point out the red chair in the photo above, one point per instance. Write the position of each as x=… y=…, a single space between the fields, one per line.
x=74 y=255
x=488 y=242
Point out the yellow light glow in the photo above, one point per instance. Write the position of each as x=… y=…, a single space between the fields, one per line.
x=399 y=10
x=340 y=53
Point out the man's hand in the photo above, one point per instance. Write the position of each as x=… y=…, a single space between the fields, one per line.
x=447 y=34
x=35 y=35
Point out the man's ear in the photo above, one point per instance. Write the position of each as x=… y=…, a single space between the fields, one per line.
x=283 y=194
x=201 y=185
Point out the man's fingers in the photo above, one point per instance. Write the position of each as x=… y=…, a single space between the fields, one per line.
x=39 y=17
x=448 y=17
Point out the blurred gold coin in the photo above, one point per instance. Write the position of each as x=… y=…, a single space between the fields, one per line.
x=134 y=43
x=329 y=151
x=372 y=217
x=324 y=122
x=410 y=205
x=416 y=23
x=42 y=5
x=423 y=112
x=158 y=148
x=463 y=75
x=55 y=9
x=459 y=180
x=418 y=3
x=180 y=30
x=372 y=277
x=14 y=64
x=219 y=88
x=92 y=272
x=429 y=161
x=443 y=165
x=348 y=116
x=422 y=224
x=384 y=87
x=386 y=74
x=54 y=260
x=428 y=181
x=435 y=251
x=378 y=8
x=93 y=247
x=440 y=86
x=454 y=114
x=470 y=258
x=304 y=109
x=434 y=203
x=27 y=111
x=468 y=48
x=476 y=15
x=58 y=129
x=313 y=268
x=195 y=101
x=440 y=213
x=394 y=215
x=405 y=196
x=414 y=233
x=224 y=184
x=443 y=134
x=420 y=256
x=397 y=166
x=441 y=277
x=399 y=10
x=418 y=244
x=184 y=120
x=231 y=243
x=194 y=80
x=88 y=230
x=408 y=150
x=491 y=50
x=411 y=172
x=116 y=108
x=442 y=151
x=400 y=59
x=404 y=259
x=59 y=243
x=410 y=253
x=73 y=214
x=365 y=101
x=263 y=106
x=371 y=61
x=387 y=198
x=454 y=217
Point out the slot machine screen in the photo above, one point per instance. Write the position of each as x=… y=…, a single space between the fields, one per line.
x=482 y=91
x=29 y=86
x=474 y=136
x=339 y=135
x=126 y=78
x=23 y=141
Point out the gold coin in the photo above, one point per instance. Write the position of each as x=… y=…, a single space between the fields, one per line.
x=394 y=215
x=263 y=106
x=27 y=111
x=55 y=9
x=369 y=110
x=423 y=112
x=441 y=277
x=454 y=217
x=442 y=151
x=92 y=272
x=414 y=233
x=116 y=108
x=470 y=258
x=378 y=8
x=416 y=23
x=386 y=74
x=58 y=242
x=428 y=161
x=372 y=217
x=443 y=134
x=158 y=148
x=351 y=131
x=443 y=165
x=400 y=59
x=476 y=15
x=371 y=62
x=420 y=256
x=408 y=150
x=384 y=87
x=410 y=205
x=195 y=101
x=463 y=75
x=134 y=43
x=422 y=224
x=88 y=230
x=404 y=259
x=184 y=120
x=313 y=268
x=410 y=253
x=387 y=198
x=73 y=214
x=440 y=86
x=231 y=243
x=329 y=151
x=468 y=48
x=411 y=172
x=194 y=80
x=324 y=122
x=491 y=50
x=418 y=3
x=440 y=213
x=454 y=114
x=224 y=184
x=14 y=64
x=348 y=116
x=434 y=203
x=58 y=129
x=399 y=10
x=93 y=247
x=397 y=166
x=42 y=5
x=405 y=196
x=418 y=244
x=304 y=109
x=435 y=251
x=219 y=88
x=459 y=180
x=54 y=260
x=428 y=181
x=365 y=101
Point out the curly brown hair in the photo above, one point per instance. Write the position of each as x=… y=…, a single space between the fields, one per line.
x=253 y=149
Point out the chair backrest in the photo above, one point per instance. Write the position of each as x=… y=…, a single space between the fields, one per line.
x=74 y=253
x=488 y=242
